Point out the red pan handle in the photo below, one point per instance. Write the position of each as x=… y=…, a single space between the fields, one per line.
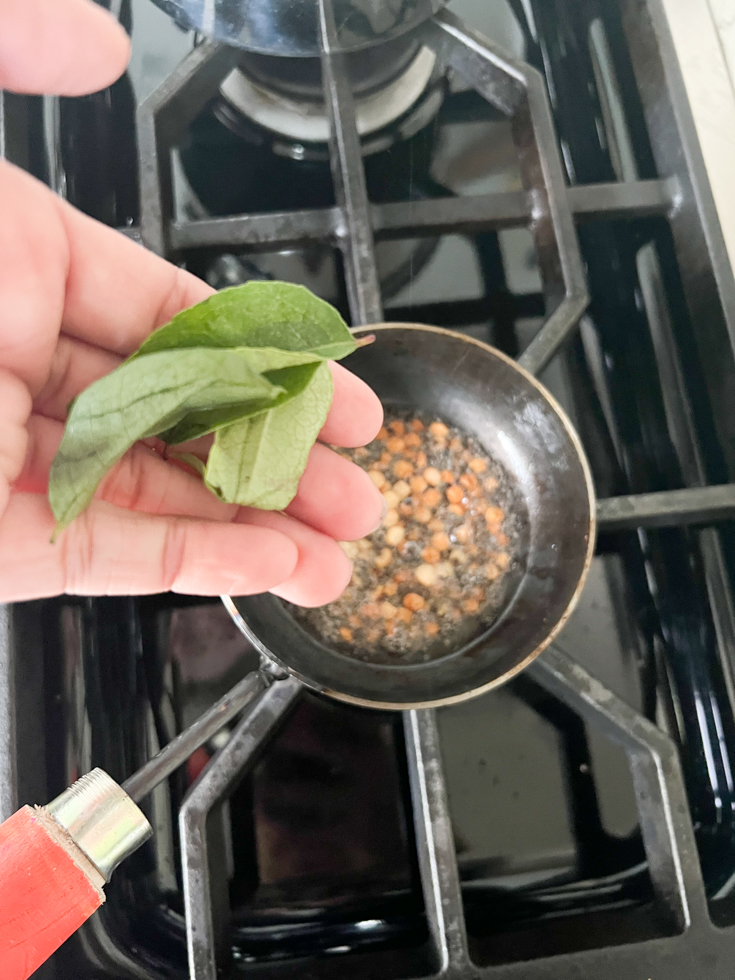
x=46 y=892
x=54 y=862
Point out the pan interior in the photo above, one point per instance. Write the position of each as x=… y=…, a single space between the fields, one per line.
x=414 y=645
x=478 y=390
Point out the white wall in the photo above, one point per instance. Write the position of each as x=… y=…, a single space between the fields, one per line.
x=704 y=36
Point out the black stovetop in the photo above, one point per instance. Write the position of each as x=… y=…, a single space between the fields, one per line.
x=581 y=820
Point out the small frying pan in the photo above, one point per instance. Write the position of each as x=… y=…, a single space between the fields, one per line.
x=487 y=395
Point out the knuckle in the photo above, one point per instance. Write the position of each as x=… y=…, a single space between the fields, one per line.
x=52 y=398
x=77 y=556
x=15 y=397
x=173 y=554
x=126 y=484
x=13 y=451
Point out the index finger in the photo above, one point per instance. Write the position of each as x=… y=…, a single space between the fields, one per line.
x=356 y=414
x=59 y=47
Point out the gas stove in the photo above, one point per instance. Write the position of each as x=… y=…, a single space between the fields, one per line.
x=528 y=172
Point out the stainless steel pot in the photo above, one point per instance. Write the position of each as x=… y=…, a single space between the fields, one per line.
x=486 y=394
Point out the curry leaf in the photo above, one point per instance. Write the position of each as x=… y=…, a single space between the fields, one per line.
x=142 y=399
x=247 y=364
x=259 y=462
x=258 y=314
x=290 y=370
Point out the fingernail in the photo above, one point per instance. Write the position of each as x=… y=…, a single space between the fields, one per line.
x=383 y=512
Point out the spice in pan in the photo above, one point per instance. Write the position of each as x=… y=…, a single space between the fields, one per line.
x=437 y=571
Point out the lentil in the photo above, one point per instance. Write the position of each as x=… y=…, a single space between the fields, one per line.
x=414 y=601
x=392 y=500
x=394 y=535
x=431 y=497
x=441 y=542
x=384 y=558
x=401 y=489
x=426 y=575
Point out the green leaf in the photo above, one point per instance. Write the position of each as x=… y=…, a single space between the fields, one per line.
x=259 y=462
x=258 y=314
x=256 y=352
x=143 y=398
x=290 y=370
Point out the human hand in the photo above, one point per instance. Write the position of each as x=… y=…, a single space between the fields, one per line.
x=77 y=297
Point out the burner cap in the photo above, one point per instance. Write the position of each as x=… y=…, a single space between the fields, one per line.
x=306 y=121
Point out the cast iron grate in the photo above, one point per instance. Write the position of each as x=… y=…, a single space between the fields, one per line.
x=549 y=209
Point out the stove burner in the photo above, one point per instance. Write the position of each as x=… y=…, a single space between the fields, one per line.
x=301 y=78
x=305 y=120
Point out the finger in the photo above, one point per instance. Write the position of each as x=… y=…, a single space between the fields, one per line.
x=108 y=551
x=59 y=266
x=334 y=496
x=141 y=481
x=59 y=47
x=15 y=400
x=322 y=571
x=354 y=418
x=337 y=497
x=116 y=290
x=356 y=414
x=144 y=481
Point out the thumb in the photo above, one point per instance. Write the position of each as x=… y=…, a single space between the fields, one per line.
x=59 y=47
